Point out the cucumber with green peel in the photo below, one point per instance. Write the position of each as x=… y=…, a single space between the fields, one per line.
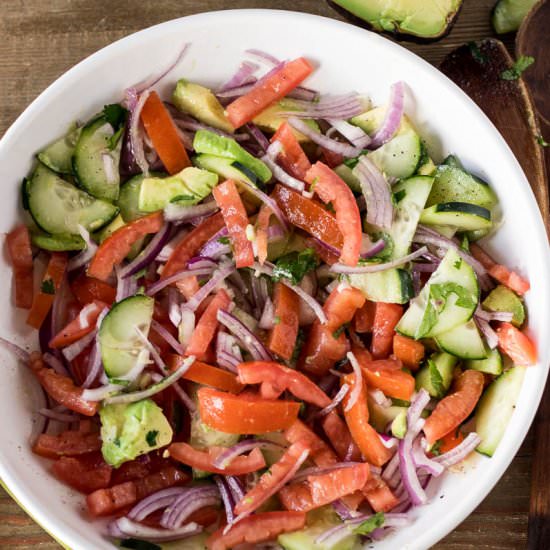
x=58 y=155
x=120 y=345
x=346 y=173
x=463 y=341
x=454 y=161
x=436 y=375
x=496 y=407
x=501 y=298
x=128 y=199
x=399 y=425
x=445 y=230
x=390 y=286
x=58 y=207
x=381 y=417
x=57 y=243
x=109 y=229
x=491 y=365
x=462 y=215
x=225 y=168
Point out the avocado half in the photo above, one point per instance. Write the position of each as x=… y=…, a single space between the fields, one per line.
x=416 y=20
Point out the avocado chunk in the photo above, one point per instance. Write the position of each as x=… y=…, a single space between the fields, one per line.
x=501 y=298
x=429 y=19
x=130 y=430
x=437 y=374
x=57 y=243
x=201 y=103
x=187 y=187
x=508 y=14
x=399 y=425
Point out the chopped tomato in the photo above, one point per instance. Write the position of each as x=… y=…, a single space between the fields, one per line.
x=163 y=132
x=282 y=337
x=292 y=158
x=450 y=441
x=68 y=443
x=379 y=495
x=85 y=473
x=332 y=189
x=207 y=326
x=86 y=290
x=516 y=345
x=105 y=502
x=386 y=317
x=204 y=516
x=78 y=327
x=116 y=247
x=128 y=471
x=43 y=299
x=61 y=388
x=339 y=436
x=309 y=215
x=408 y=351
x=202 y=373
x=320 y=453
x=328 y=256
x=268 y=90
x=275 y=477
x=203 y=460
x=366 y=361
x=331 y=158
x=242 y=414
x=327 y=344
x=256 y=528
x=235 y=218
x=19 y=248
x=364 y=435
x=322 y=489
x=262 y=229
x=452 y=410
x=281 y=378
x=363 y=321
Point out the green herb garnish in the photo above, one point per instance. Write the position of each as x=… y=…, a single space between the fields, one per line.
x=295 y=265
x=151 y=437
x=369 y=525
x=47 y=287
x=521 y=64
x=542 y=142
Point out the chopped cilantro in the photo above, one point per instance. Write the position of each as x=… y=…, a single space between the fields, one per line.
x=116 y=441
x=151 y=437
x=137 y=544
x=115 y=115
x=465 y=243
x=295 y=265
x=178 y=198
x=300 y=339
x=224 y=240
x=476 y=53
x=400 y=402
x=399 y=196
x=436 y=448
x=276 y=320
x=369 y=525
x=542 y=142
x=522 y=63
x=336 y=334
x=47 y=287
x=115 y=138
x=435 y=378
x=351 y=163
x=458 y=263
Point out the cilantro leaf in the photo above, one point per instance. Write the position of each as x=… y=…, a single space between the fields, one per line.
x=336 y=334
x=224 y=240
x=521 y=64
x=114 y=139
x=300 y=340
x=183 y=198
x=436 y=448
x=458 y=263
x=436 y=379
x=294 y=266
x=542 y=142
x=115 y=115
x=476 y=53
x=399 y=196
x=151 y=437
x=276 y=320
x=369 y=525
x=47 y=287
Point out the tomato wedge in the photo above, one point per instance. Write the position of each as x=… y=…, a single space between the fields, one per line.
x=86 y=290
x=282 y=337
x=236 y=220
x=43 y=299
x=85 y=473
x=202 y=373
x=450 y=441
x=80 y=326
x=202 y=460
x=163 y=132
x=452 y=410
x=386 y=317
x=320 y=452
x=269 y=89
x=292 y=158
x=262 y=229
x=116 y=247
x=332 y=189
x=68 y=443
x=105 y=502
x=340 y=437
x=410 y=352
x=241 y=414
x=325 y=488
x=19 y=249
x=309 y=215
x=328 y=256
x=516 y=345
x=379 y=495
x=257 y=528
x=207 y=326
x=364 y=435
x=275 y=478
x=363 y=321
x=326 y=344
x=280 y=378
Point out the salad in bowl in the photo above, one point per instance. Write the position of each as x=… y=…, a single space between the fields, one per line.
x=264 y=314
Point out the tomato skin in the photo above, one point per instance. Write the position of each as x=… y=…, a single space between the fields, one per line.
x=68 y=443
x=379 y=495
x=19 y=249
x=386 y=317
x=322 y=251
x=236 y=220
x=292 y=158
x=320 y=453
x=450 y=441
x=516 y=345
x=281 y=378
x=202 y=460
x=267 y=91
x=332 y=189
x=363 y=321
x=282 y=337
x=116 y=247
x=242 y=414
x=74 y=330
x=262 y=228
x=338 y=434
x=256 y=528
x=87 y=289
x=162 y=130
x=453 y=409
x=309 y=215
x=410 y=352
x=86 y=473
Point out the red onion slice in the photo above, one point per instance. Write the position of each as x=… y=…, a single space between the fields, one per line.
x=54 y=362
x=185 y=505
x=83 y=257
x=230 y=93
x=503 y=316
x=125 y=286
x=338 y=398
x=379 y=398
x=258 y=135
x=373 y=249
x=178 y=213
x=393 y=116
x=136 y=140
x=355 y=135
x=124 y=528
x=262 y=56
x=271 y=203
x=215 y=281
x=407 y=467
x=99 y=394
x=18 y=351
x=460 y=452
x=358 y=382
x=167 y=337
x=329 y=107
x=75 y=349
x=163 y=283
x=223 y=460
x=422 y=462
x=242 y=76
x=267 y=320
x=227 y=499
x=59 y=416
x=278 y=173
x=156 y=501
x=94 y=366
x=186 y=327
x=373 y=268
x=236 y=487
x=487 y=331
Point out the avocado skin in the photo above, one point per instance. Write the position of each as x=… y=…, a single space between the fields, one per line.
x=396 y=34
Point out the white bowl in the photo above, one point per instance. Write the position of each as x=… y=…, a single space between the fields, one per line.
x=348 y=58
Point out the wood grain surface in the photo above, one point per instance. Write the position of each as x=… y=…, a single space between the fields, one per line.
x=41 y=39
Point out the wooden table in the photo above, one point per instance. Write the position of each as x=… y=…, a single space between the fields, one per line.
x=41 y=39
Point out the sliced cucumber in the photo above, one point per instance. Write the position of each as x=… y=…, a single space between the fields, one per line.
x=58 y=207
x=109 y=229
x=496 y=407
x=445 y=230
x=128 y=200
x=491 y=365
x=453 y=184
x=399 y=425
x=58 y=155
x=121 y=348
x=454 y=161
x=58 y=243
x=391 y=286
x=501 y=298
x=463 y=341
x=346 y=173
x=437 y=374
x=462 y=215
x=92 y=155
x=381 y=417
x=226 y=168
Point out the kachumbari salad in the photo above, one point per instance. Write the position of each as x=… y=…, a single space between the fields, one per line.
x=263 y=315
